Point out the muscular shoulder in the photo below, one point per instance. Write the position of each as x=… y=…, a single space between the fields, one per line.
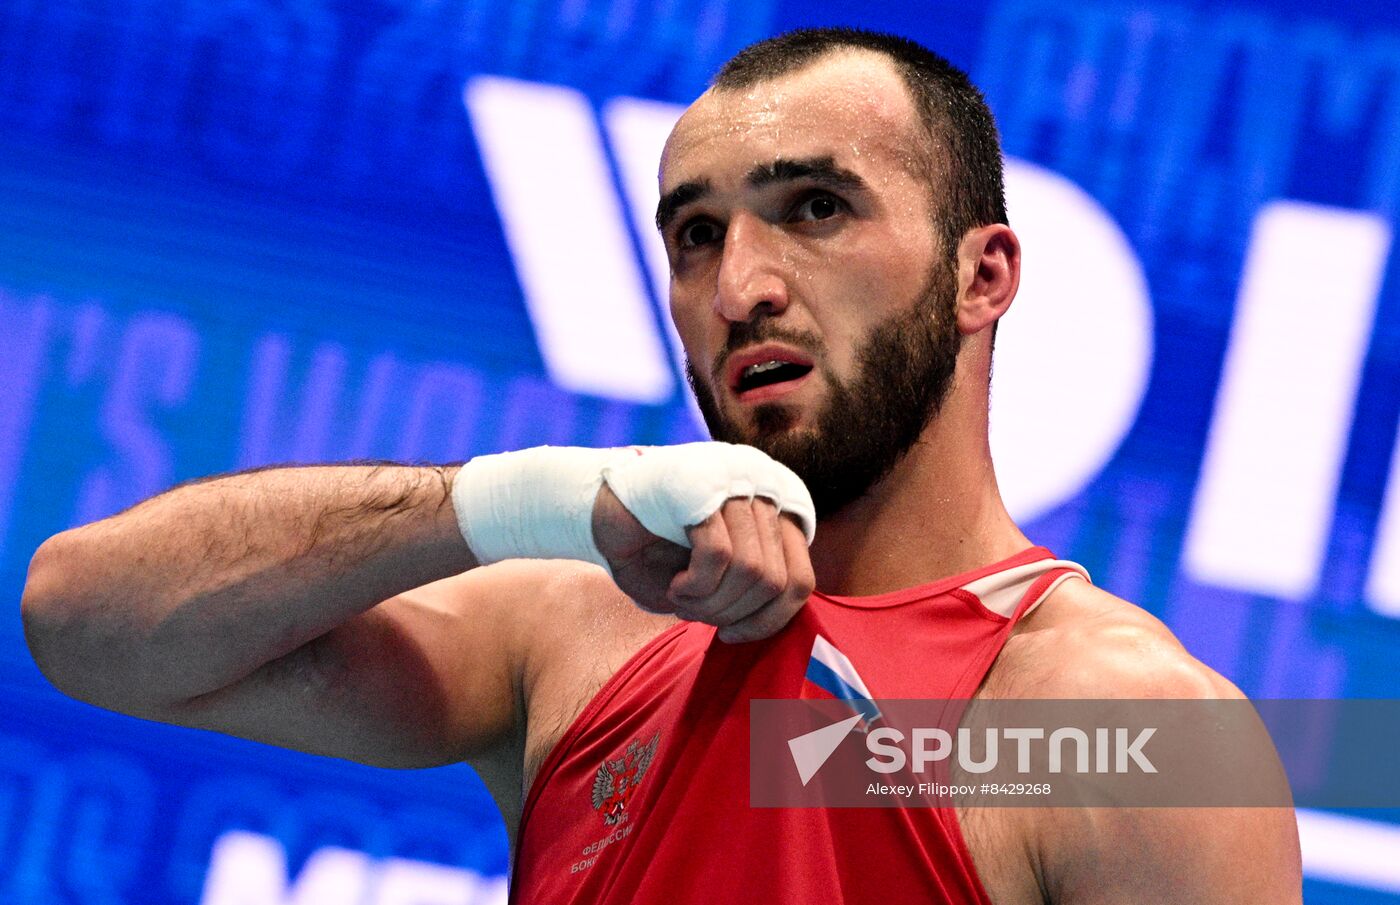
x=578 y=617
x=1084 y=642
x=544 y=608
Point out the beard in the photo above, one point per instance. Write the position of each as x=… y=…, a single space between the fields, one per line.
x=904 y=370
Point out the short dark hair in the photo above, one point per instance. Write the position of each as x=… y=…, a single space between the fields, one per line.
x=950 y=108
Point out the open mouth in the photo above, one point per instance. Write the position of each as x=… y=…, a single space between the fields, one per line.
x=769 y=373
x=766 y=371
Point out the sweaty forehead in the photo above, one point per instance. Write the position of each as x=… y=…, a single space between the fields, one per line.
x=852 y=105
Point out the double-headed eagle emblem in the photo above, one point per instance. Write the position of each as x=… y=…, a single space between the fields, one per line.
x=617 y=779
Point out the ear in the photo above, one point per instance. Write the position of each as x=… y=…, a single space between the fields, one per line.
x=989 y=271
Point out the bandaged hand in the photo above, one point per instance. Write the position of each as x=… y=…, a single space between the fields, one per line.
x=712 y=532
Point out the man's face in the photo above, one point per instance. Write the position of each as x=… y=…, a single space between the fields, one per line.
x=815 y=305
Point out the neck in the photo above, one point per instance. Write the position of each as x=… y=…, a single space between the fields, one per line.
x=937 y=513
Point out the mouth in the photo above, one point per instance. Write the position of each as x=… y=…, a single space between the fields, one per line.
x=766 y=372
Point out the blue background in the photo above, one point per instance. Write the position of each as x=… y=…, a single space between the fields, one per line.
x=234 y=233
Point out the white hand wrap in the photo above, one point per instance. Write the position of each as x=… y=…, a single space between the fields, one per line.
x=538 y=503
x=532 y=504
x=671 y=488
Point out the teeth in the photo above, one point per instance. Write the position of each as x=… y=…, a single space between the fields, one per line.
x=751 y=370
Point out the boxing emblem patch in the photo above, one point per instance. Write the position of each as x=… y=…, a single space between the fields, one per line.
x=617 y=779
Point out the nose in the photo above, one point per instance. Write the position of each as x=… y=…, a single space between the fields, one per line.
x=752 y=276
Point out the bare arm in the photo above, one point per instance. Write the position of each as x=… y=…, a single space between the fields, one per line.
x=330 y=609
x=1184 y=856
x=194 y=589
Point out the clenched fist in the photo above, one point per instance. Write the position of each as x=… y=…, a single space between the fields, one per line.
x=747 y=570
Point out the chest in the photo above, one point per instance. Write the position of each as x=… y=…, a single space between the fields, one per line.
x=996 y=839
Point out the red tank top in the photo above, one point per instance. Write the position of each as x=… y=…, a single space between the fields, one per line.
x=645 y=798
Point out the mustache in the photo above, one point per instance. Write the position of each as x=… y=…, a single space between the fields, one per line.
x=751 y=333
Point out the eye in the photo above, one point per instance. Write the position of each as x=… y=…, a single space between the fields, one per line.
x=697 y=232
x=818 y=206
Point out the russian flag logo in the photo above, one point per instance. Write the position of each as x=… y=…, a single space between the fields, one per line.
x=832 y=676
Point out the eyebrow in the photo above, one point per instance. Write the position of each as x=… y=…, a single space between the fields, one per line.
x=679 y=197
x=821 y=170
